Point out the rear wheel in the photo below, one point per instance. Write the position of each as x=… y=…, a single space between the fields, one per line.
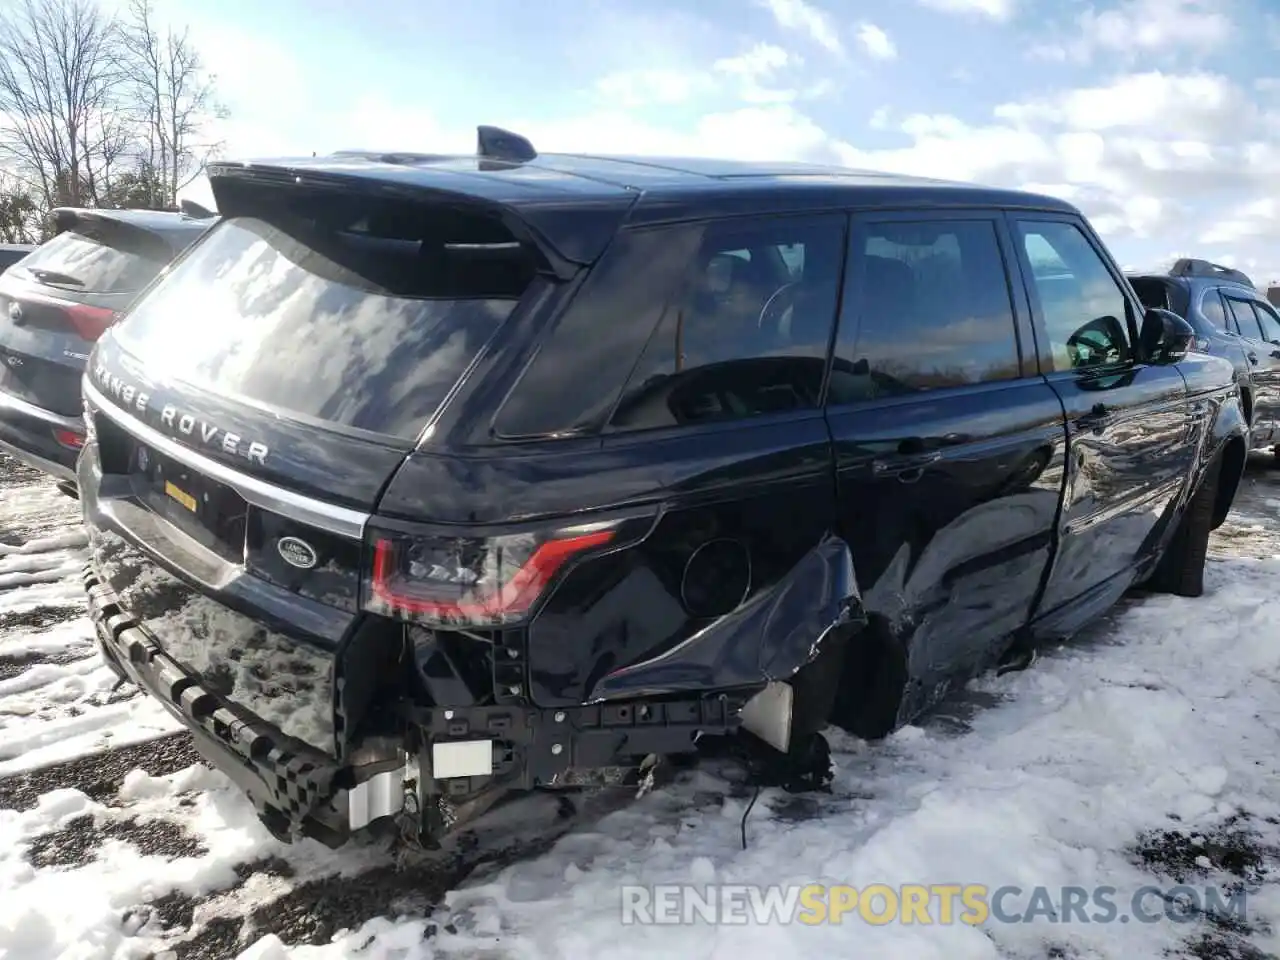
x=1181 y=569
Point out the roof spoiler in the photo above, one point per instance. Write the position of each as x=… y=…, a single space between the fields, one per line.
x=494 y=144
x=1191 y=267
x=195 y=211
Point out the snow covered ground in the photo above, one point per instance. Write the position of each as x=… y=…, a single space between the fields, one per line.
x=1141 y=755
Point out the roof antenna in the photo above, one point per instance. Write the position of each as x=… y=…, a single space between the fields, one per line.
x=494 y=143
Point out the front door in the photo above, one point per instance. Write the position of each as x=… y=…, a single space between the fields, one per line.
x=949 y=450
x=1129 y=433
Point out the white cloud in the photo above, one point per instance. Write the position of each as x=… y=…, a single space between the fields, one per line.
x=876 y=42
x=994 y=9
x=754 y=70
x=629 y=89
x=750 y=77
x=1204 y=103
x=1251 y=221
x=1143 y=28
x=804 y=17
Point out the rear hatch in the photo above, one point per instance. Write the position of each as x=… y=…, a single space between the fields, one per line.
x=58 y=300
x=253 y=404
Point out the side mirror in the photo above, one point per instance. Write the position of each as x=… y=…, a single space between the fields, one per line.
x=1166 y=337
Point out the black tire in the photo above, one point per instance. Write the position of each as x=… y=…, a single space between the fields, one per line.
x=1181 y=569
x=872 y=686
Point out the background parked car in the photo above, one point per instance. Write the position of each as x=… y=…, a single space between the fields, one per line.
x=1232 y=320
x=55 y=303
x=11 y=253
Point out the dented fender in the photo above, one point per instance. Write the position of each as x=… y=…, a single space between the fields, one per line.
x=769 y=637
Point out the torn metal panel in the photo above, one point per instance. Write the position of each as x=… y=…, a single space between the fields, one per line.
x=769 y=637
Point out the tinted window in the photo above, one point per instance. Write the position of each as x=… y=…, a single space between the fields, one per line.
x=1269 y=321
x=1152 y=293
x=1084 y=310
x=926 y=306
x=1244 y=317
x=74 y=261
x=1211 y=306
x=578 y=372
x=9 y=257
x=360 y=330
x=749 y=331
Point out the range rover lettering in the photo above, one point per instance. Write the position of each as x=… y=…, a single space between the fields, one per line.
x=469 y=476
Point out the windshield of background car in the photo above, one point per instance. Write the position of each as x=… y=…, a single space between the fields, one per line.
x=341 y=326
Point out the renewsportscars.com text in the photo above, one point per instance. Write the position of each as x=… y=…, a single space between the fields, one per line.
x=924 y=904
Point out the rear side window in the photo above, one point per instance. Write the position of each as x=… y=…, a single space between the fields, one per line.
x=749 y=331
x=74 y=260
x=577 y=374
x=927 y=307
x=1211 y=306
x=355 y=326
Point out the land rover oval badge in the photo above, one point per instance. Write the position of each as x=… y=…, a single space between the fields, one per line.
x=296 y=553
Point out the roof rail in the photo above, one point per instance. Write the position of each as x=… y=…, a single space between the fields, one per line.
x=1192 y=267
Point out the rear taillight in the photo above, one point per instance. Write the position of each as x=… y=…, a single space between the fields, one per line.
x=89 y=322
x=476 y=581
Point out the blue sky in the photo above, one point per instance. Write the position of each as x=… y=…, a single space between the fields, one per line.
x=1160 y=118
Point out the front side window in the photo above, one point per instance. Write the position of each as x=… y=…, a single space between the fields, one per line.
x=749 y=330
x=1245 y=319
x=1084 y=310
x=926 y=307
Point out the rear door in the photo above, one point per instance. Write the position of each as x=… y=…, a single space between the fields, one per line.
x=1130 y=433
x=949 y=445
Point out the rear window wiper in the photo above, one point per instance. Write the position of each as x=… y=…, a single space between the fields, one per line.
x=54 y=277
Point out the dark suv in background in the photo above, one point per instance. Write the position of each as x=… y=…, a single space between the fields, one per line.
x=1233 y=320
x=422 y=480
x=55 y=303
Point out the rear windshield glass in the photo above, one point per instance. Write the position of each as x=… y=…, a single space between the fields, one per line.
x=351 y=327
x=74 y=261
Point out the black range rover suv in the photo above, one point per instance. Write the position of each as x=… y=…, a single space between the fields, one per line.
x=472 y=475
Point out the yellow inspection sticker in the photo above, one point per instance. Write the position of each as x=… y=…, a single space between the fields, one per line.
x=184 y=498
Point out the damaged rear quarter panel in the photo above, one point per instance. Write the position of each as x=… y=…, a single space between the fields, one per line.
x=734 y=585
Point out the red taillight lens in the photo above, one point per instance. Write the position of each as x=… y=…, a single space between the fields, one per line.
x=69 y=438
x=477 y=582
x=89 y=322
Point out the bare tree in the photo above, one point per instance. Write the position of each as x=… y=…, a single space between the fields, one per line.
x=174 y=97
x=59 y=77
